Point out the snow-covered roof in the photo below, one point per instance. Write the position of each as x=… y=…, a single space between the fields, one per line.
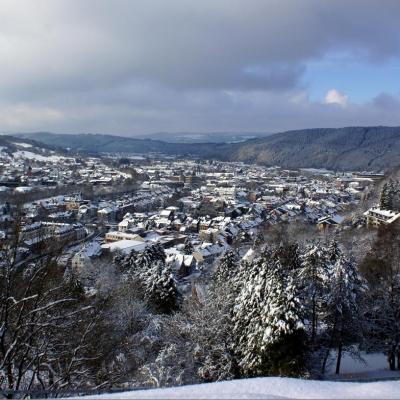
x=388 y=216
x=124 y=245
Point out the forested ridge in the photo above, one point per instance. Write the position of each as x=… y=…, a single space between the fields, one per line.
x=349 y=148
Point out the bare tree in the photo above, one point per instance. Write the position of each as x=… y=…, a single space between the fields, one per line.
x=44 y=328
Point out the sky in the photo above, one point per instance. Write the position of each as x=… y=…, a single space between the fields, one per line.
x=141 y=66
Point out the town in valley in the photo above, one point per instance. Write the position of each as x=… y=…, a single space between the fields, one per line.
x=195 y=209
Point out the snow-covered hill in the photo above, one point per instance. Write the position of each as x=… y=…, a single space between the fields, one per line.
x=13 y=148
x=268 y=388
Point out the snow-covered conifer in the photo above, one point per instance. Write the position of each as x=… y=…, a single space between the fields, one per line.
x=188 y=248
x=267 y=319
x=384 y=197
x=389 y=195
x=258 y=240
x=341 y=315
x=137 y=264
x=313 y=278
x=226 y=267
x=285 y=334
x=289 y=256
x=161 y=288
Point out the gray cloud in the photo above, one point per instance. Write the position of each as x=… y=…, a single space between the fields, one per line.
x=388 y=102
x=153 y=65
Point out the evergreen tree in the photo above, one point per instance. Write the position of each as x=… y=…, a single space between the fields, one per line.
x=150 y=224
x=247 y=271
x=342 y=319
x=285 y=335
x=381 y=269
x=161 y=288
x=313 y=280
x=268 y=323
x=334 y=253
x=258 y=240
x=246 y=316
x=138 y=263
x=384 y=200
x=188 y=248
x=124 y=262
x=396 y=196
x=289 y=256
x=384 y=318
x=384 y=297
x=226 y=267
x=389 y=195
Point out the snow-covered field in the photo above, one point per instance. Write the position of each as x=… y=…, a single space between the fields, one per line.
x=33 y=156
x=268 y=388
x=371 y=365
x=22 y=144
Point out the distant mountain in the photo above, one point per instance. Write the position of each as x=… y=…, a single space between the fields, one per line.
x=95 y=143
x=15 y=148
x=11 y=144
x=350 y=148
x=201 y=137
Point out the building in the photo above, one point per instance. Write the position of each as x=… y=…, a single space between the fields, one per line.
x=376 y=216
x=115 y=236
x=124 y=246
x=39 y=232
x=83 y=258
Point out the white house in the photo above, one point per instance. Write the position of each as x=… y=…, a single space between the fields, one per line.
x=376 y=216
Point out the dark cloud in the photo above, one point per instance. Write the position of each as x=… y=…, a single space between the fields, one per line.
x=149 y=65
x=387 y=102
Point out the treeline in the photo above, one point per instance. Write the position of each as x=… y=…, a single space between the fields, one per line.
x=390 y=195
x=291 y=311
x=284 y=314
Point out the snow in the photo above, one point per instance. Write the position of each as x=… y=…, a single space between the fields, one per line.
x=91 y=249
x=384 y=213
x=125 y=245
x=22 y=144
x=38 y=157
x=271 y=388
x=349 y=365
x=373 y=366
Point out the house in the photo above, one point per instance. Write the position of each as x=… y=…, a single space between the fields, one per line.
x=209 y=235
x=208 y=252
x=107 y=214
x=125 y=224
x=182 y=264
x=83 y=258
x=376 y=216
x=39 y=232
x=115 y=236
x=331 y=220
x=125 y=246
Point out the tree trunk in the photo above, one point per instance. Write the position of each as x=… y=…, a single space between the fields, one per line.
x=398 y=359
x=314 y=321
x=325 y=361
x=10 y=379
x=392 y=360
x=339 y=358
x=331 y=342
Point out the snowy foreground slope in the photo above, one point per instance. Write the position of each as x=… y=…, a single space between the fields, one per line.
x=270 y=388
